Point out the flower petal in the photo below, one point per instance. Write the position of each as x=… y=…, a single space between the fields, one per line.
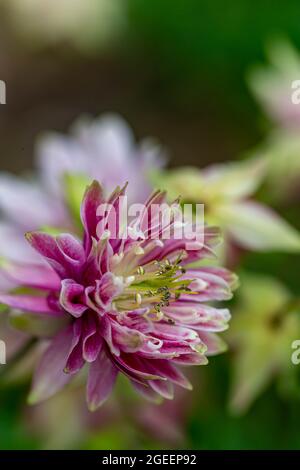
x=64 y=253
x=92 y=340
x=30 y=303
x=135 y=367
x=14 y=247
x=163 y=388
x=146 y=392
x=107 y=288
x=215 y=344
x=31 y=275
x=27 y=203
x=235 y=180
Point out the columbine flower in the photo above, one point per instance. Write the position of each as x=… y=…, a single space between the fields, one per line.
x=265 y=323
x=129 y=305
x=103 y=149
x=225 y=190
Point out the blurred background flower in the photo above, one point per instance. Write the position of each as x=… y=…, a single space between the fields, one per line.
x=275 y=87
x=102 y=149
x=225 y=190
x=84 y=24
x=266 y=320
x=188 y=75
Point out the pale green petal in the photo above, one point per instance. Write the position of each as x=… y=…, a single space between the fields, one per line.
x=264 y=324
x=256 y=227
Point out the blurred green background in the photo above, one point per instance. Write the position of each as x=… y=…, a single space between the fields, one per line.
x=176 y=71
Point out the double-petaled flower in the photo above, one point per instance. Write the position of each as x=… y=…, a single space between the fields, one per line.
x=128 y=304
